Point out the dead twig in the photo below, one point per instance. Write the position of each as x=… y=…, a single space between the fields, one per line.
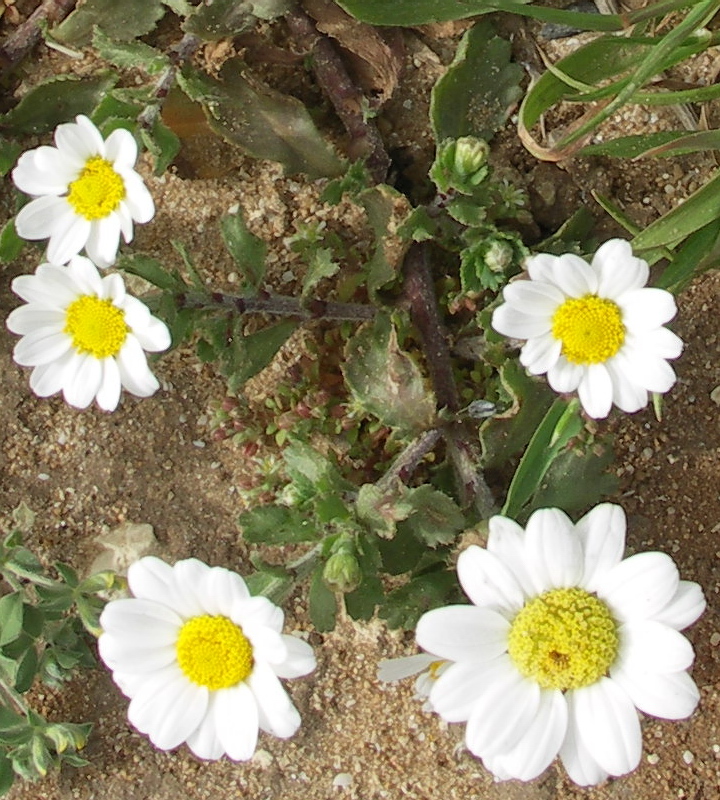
x=27 y=35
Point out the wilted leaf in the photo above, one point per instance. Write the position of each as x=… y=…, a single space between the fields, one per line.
x=122 y=22
x=135 y=54
x=385 y=380
x=435 y=518
x=480 y=88
x=55 y=100
x=381 y=508
x=261 y=121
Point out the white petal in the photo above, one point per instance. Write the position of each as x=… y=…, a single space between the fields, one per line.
x=618 y=270
x=574 y=276
x=686 y=606
x=540 y=742
x=126 y=221
x=277 y=714
x=628 y=395
x=220 y=588
x=596 y=391
x=134 y=372
x=540 y=354
x=125 y=656
x=168 y=709
x=647 y=370
x=506 y=540
x=108 y=395
x=578 y=759
x=204 y=740
x=565 y=377
x=43 y=346
x=50 y=287
x=38 y=219
x=48 y=379
x=40 y=172
x=79 y=139
x=459 y=633
x=645 y=309
x=671 y=695
x=500 y=717
x=141 y=622
x=487 y=581
x=138 y=199
x=113 y=288
x=300 y=659
x=68 y=238
x=541 y=267
x=80 y=390
x=397 y=669
x=453 y=694
x=640 y=586
x=85 y=276
x=153 y=579
x=553 y=552
x=602 y=535
x=608 y=726
x=103 y=240
x=506 y=319
x=236 y=721
x=258 y=612
x=660 y=342
x=152 y=334
x=653 y=647
x=121 y=149
x=534 y=297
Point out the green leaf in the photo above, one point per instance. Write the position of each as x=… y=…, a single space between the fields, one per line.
x=436 y=518
x=151 y=270
x=698 y=253
x=631 y=146
x=9 y=152
x=385 y=381
x=122 y=22
x=11 y=244
x=248 y=251
x=261 y=121
x=7 y=774
x=322 y=265
x=381 y=508
x=559 y=425
x=162 y=143
x=479 y=89
x=321 y=602
x=27 y=670
x=409 y=13
x=56 y=100
x=134 y=54
x=699 y=210
x=312 y=473
x=271 y=582
x=11 y=617
x=226 y=18
x=250 y=354
x=401 y=553
x=404 y=606
x=277 y=525
x=33 y=621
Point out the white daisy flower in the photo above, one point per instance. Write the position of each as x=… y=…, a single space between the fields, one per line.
x=87 y=193
x=84 y=335
x=593 y=328
x=563 y=642
x=201 y=659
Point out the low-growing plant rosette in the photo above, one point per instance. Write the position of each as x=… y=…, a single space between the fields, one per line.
x=84 y=335
x=564 y=641
x=87 y=193
x=593 y=328
x=201 y=659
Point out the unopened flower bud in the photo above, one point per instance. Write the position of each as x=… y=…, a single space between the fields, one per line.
x=342 y=572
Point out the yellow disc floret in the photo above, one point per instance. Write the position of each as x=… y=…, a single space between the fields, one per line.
x=96 y=326
x=214 y=652
x=563 y=639
x=590 y=328
x=98 y=190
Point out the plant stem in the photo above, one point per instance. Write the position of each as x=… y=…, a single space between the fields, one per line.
x=13 y=697
x=27 y=35
x=279 y=305
x=346 y=97
x=464 y=452
x=406 y=463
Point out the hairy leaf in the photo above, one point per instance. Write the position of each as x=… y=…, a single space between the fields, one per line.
x=218 y=19
x=135 y=54
x=261 y=121
x=480 y=88
x=247 y=250
x=385 y=381
x=435 y=518
x=162 y=143
x=277 y=525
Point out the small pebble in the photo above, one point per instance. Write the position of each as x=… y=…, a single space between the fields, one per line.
x=198 y=443
x=342 y=780
x=715 y=639
x=688 y=757
x=653 y=758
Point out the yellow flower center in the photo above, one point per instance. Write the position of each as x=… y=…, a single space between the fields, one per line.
x=563 y=639
x=590 y=328
x=214 y=652
x=96 y=326
x=98 y=190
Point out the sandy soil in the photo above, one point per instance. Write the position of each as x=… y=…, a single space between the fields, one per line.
x=155 y=462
